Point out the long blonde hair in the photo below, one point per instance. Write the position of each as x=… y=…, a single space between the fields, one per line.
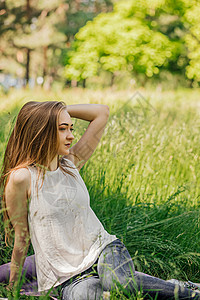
x=33 y=142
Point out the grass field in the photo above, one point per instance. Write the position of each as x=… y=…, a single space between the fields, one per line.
x=143 y=178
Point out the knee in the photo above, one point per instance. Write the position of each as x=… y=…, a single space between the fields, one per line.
x=115 y=269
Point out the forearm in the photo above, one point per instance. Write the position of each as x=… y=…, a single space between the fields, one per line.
x=17 y=262
x=88 y=112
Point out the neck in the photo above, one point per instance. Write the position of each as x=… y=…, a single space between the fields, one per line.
x=54 y=164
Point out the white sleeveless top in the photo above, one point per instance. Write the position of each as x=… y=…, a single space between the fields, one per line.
x=66 y=235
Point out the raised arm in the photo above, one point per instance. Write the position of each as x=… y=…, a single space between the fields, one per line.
x=97 y=115
x=16 y=194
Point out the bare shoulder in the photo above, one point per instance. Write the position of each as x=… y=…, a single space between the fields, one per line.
x=20 y=178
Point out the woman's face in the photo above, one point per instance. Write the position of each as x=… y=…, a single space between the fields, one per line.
x=65 y=128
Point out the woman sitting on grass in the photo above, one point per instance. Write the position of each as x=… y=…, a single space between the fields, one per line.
x=48 y=204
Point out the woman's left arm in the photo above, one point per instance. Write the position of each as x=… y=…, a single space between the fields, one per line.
x=97 y=115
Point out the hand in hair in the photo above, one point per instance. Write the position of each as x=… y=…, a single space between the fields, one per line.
x=97 y=115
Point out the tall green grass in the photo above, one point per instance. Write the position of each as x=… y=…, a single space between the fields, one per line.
x=143 y=178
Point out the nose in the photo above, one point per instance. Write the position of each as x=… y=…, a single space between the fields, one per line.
x=70 y=136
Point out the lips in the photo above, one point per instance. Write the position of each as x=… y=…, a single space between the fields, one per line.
x=68 y=145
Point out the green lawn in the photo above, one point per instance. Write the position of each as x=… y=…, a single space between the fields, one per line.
x=143 y=178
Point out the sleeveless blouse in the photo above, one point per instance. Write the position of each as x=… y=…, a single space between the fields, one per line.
x=66 y=235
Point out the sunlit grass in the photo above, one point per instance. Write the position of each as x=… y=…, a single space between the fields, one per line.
x=143 y=178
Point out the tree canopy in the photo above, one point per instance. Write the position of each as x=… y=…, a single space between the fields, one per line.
x=34 y=34
x=87 y=37
x=141 y=37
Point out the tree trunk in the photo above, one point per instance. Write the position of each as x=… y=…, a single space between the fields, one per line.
x=84 y=83
x=27 y=65
x=112 y=79
x=28 y=10
x=44 y=62
x=77 y=5
x=191 y=83
x=96 y=6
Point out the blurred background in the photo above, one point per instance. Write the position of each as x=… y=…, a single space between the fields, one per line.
x=99 y=43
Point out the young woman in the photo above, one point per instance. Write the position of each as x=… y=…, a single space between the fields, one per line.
x=47 y=203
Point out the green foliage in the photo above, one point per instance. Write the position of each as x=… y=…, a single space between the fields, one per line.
x=141 y=37
x=122 y=39
x=42 y=29
x=192 y=40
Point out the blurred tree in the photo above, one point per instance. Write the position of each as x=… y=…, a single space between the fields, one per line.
x=192 y=40
x=139 y=36
x=78 y=14
x=11 y=18
x=33 y=34
x=29 y=27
